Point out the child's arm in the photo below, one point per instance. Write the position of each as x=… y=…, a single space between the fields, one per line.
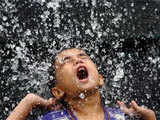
x=27 y=103
x=134 y=109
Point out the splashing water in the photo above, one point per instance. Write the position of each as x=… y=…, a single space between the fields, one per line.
x=120 y=36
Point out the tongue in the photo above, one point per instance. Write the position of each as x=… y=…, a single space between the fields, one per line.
x=82 y=74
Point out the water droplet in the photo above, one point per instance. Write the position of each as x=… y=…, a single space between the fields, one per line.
x=4 y=18
x=82 y=96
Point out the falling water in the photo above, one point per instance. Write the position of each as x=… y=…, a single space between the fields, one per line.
x=122 y=38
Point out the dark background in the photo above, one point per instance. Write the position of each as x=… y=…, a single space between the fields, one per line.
x=121 y=36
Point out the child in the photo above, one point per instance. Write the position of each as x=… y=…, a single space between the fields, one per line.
x=77 y=83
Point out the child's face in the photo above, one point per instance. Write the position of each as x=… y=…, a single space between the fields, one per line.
x=75 y=72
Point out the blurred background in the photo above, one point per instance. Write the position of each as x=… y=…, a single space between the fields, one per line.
x=121 y=36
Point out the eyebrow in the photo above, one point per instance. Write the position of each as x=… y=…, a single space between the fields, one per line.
x=84 y=54
x=80 y=54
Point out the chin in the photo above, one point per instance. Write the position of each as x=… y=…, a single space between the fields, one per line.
x=89 y=87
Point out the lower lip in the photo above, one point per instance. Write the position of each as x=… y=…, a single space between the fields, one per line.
x=83 y=80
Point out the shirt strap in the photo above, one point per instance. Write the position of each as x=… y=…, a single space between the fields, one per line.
x=73 y=117
x=106 y=114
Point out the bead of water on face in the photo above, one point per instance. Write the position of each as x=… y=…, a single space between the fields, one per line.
x=38 y=103
x=78 y=86
x=82 y=96
x=86 y=99
x=96 y=87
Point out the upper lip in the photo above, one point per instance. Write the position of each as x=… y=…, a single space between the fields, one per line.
x=80 y=65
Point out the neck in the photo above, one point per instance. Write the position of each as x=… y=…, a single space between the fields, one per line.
x=86 y=103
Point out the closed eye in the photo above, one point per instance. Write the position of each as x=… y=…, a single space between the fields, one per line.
x=82 y=55
x=66 y=58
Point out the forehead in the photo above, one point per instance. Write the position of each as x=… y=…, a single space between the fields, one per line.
x=70 y=52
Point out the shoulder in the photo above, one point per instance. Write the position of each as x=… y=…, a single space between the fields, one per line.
x=54 y=115
x=115 y=113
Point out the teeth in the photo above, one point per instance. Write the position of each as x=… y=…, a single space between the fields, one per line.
x=81 y=68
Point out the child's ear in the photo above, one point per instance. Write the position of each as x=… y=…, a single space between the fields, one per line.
x=101 y=81
x=57 y=92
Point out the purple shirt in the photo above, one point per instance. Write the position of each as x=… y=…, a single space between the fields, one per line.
x=114 y=114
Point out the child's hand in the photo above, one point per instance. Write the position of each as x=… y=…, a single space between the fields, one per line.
x=32 y=101
x=37 y=101
x=52 y=104
x=135 y=110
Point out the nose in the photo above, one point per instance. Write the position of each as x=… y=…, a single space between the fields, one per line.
x=77 y=60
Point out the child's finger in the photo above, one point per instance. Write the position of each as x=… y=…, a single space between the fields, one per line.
x=52 y=100
x=121 y=104
x=57 y=107
x=123 y=107
x=135 y=106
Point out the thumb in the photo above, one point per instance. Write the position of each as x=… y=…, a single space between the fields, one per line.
x=135 y=106
x=145 y=113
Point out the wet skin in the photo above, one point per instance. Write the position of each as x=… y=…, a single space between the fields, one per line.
x=66 y=65
x=68 y=83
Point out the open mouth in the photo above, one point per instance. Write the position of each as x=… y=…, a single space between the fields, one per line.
x=82 y=72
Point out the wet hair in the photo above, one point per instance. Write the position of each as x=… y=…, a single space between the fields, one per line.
x=52 y=78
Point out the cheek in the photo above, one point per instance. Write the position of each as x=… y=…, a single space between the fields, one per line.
x=94 y=71
x=67 y=72
x=66 y=75
x=93 y=66
x=68 y=82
